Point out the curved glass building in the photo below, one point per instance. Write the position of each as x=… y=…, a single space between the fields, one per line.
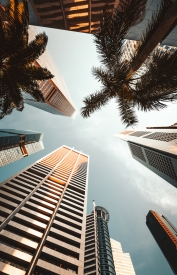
x=98 y=252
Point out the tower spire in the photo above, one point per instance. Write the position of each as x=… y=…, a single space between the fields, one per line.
x=94 y=205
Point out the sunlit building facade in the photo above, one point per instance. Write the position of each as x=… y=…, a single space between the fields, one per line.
x=156 y=149
x=55 y=92
x=43 y=216
x=165 y=234
x=98 y=253
x=84 y=16
x=129 y=50
x=17 y=144
x=122 y=261
x=80 y=16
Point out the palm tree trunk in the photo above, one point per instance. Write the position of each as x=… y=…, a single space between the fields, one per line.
x=155 y=38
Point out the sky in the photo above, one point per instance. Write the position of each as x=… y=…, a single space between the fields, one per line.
x=127 y=189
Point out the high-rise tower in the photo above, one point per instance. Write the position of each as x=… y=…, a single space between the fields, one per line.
x=43 y=215
x=98 y=253
x=156 y=149
x=122 y=261
x=16 y=144
x=57 y=98
x=165 y=235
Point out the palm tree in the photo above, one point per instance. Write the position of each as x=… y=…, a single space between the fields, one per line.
x=119 y=79
x=18 y=70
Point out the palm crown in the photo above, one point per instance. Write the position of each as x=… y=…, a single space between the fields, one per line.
x=119 y=79
x=18 y=70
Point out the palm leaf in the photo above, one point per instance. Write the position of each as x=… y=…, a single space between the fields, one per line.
x=31 y=52
x=19 y=70
x=16 y=28
x=157 y=18
x=94 y=102
x=35 y=93
x=114 y=27
x=126 y=111
x=159 y=83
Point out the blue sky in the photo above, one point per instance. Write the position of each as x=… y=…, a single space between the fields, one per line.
x=116 y=181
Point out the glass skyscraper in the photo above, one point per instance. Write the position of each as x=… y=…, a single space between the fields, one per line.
x=57 y=98
x=165 y=234
x=16 y=144
x=103 y=256
x=155 y=148
x=122 y=261
x=98 y=252
x=43 y=216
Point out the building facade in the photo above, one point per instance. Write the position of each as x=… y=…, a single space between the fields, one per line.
x=84 y=16
x=122 y=261
x=57 y=98
x=81 y=16
x=43 y=216
x=98 y=252
x=173 y=126
x=17 y=144
x=130 y=47
x=165 y=234
x=156 y=149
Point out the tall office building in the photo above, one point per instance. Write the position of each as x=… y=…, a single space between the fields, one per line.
x=57 y=98
x=156 y=149
x=173 y=126
x=43 y=216
x=165 y=235
x=80 y=16
x=98 y=253
x=84 y=16
x=122 y=261
x=130 y=47
x=16 y=144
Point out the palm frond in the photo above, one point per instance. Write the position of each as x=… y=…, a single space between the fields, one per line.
x=159 y=84
x=161 y=75
x=16 y=26
x=154 y=22
x=114 y=27
x=17 y=101
x=37 y=73
x=35 y=93
x=94 y=102
x=31 y=52
x=5 y=106
x=126 y=111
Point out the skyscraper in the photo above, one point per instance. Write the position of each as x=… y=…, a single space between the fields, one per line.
x=165 y=235
x=129 y=49
x=122 y=261
x=80 y=16
x=98 y=253
x=156 y=149
x=16 y=144
x=57 y=98
x=43 y=216
x=84 y=16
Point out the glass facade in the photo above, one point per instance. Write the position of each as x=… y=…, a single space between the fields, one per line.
x=156 y=150
x=34 y=147
x=122 y=261
x=16 y=144
x=8 y=140
x=105 y=252
x=165 y=234
x=43 y=216
x=57 y=98
x=10 y=155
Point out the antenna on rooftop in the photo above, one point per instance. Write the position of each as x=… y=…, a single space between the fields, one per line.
x=94 y=205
